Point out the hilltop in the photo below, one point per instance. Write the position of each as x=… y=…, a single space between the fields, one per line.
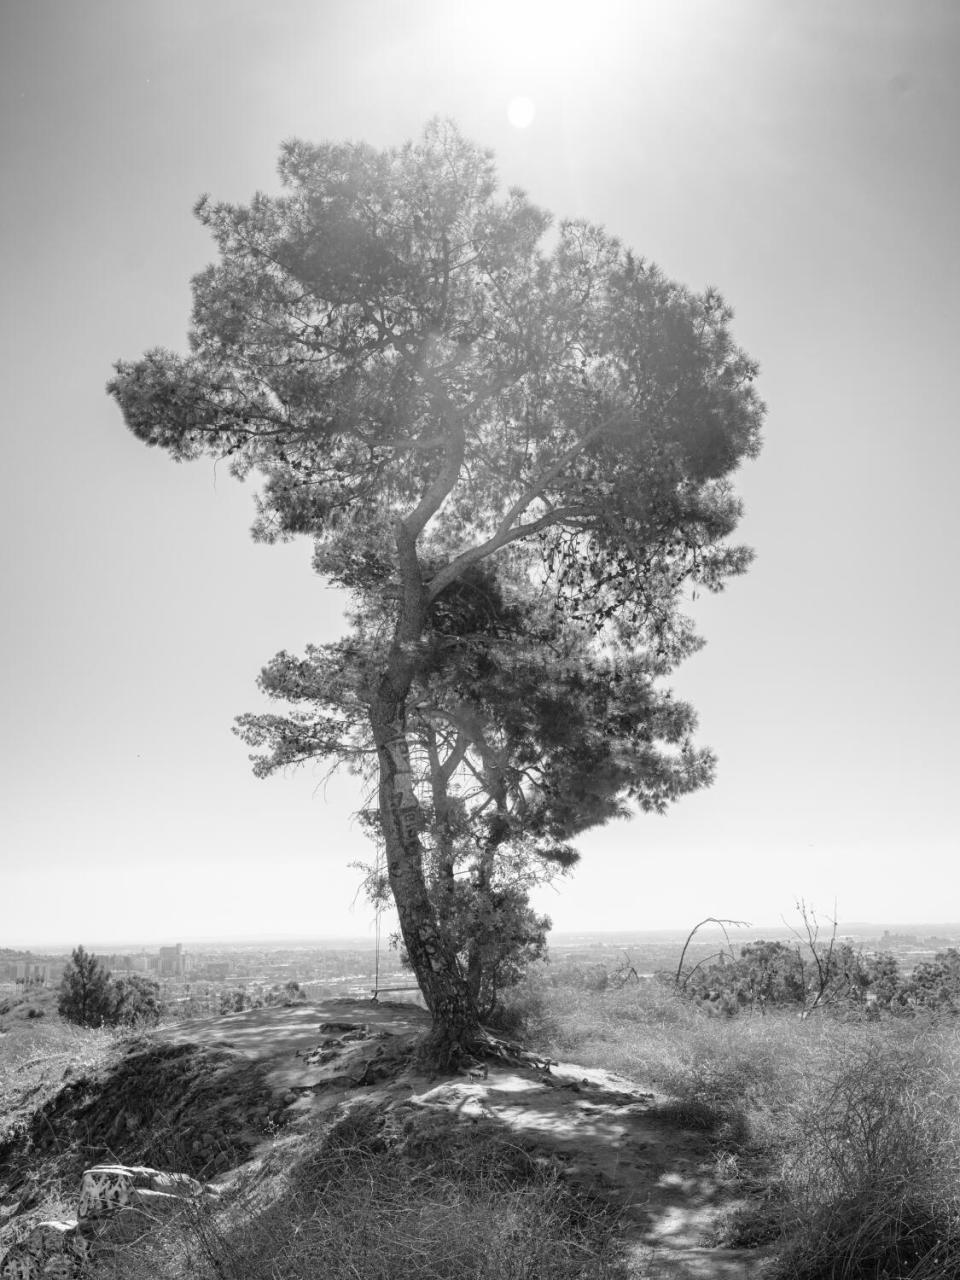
x=229 y=1099
x=640 y=1135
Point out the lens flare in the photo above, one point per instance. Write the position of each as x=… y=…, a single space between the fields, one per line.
x=520 y=112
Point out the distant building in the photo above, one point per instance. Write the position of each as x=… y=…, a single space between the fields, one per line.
x=173 y=962
x=39 y=973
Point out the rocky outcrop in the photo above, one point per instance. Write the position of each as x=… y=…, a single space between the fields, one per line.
x=51 y=1249
x=118 y=1205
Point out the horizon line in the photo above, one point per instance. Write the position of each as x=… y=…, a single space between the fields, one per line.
x=328 y=939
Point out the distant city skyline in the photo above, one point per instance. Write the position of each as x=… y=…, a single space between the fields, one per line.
x=802 y=158
x=927 y=928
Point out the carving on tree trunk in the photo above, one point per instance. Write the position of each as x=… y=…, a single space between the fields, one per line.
x=404 y=800
x=399 y=750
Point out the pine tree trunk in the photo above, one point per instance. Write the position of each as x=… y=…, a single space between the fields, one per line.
x=431 y=952
x=474 y=970
x=478 y=942
x=479 y=950
x=432 y=955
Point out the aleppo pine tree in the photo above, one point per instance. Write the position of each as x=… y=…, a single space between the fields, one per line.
x=87 y=994
x=439 y=402
x=522 y=733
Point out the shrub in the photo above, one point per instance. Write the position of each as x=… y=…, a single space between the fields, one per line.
x=845 y=1135
x=525 y=1013
x=87 y=995
x=90 y=997
x=137 y=1002
x=936 y=984
x=234 y=1001
x=865 y=1143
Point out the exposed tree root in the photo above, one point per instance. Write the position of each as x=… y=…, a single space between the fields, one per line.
x=487 y=1045
x=442 y=1053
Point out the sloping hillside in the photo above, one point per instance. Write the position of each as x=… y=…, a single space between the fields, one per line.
x=246 y=1098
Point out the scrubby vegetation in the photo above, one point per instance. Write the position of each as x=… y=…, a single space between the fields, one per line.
x=809 y=974
x=388 y=1198
x=383 y=1193
x=37 y=1048
x=90 y=997
x=236 y=999
x=836 y=1132
x=842 y=1129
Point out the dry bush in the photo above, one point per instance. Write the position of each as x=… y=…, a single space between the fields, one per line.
x=713 y=1070
x=869 y=1159
x=847 y=1135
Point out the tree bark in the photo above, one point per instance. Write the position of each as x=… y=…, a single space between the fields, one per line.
x=432 y=954
x=477 y=951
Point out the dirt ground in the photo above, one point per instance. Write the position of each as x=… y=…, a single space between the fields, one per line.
x=211 y=1096
x=607 y=1132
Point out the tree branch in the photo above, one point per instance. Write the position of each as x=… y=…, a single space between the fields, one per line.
x=507 y=532
x=450 y=572
x=440 y=487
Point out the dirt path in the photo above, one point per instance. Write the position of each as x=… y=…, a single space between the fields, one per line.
x=607 y=1132
x=609 y=1136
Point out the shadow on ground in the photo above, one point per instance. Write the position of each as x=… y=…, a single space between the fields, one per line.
x=208 y=1096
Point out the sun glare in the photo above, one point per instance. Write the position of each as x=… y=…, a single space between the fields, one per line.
x=520 y=112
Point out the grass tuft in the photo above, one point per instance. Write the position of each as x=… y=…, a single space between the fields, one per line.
x=382 y=1200
x=844 y=1137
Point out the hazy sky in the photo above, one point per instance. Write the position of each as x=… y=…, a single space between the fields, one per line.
x=802 y=155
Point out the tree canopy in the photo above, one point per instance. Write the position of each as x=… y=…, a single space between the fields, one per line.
x=91 y=997
x=515 y=451
x=86 y=994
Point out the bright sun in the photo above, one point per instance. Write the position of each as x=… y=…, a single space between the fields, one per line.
x=520 y=112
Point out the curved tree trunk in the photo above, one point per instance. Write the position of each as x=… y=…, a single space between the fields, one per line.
x=431 y=951
x=432 y=955
x=480 y=944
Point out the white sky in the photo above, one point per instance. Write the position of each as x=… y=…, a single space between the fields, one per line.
x=802 y=155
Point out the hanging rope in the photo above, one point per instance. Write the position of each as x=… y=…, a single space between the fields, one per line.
x=377 y=873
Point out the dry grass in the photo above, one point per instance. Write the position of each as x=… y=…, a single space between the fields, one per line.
x=869 y=1159
x=846 y=1134
x=429 y=1199
x=435 y=1203
x=37 y=1049
x=845 y=1138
